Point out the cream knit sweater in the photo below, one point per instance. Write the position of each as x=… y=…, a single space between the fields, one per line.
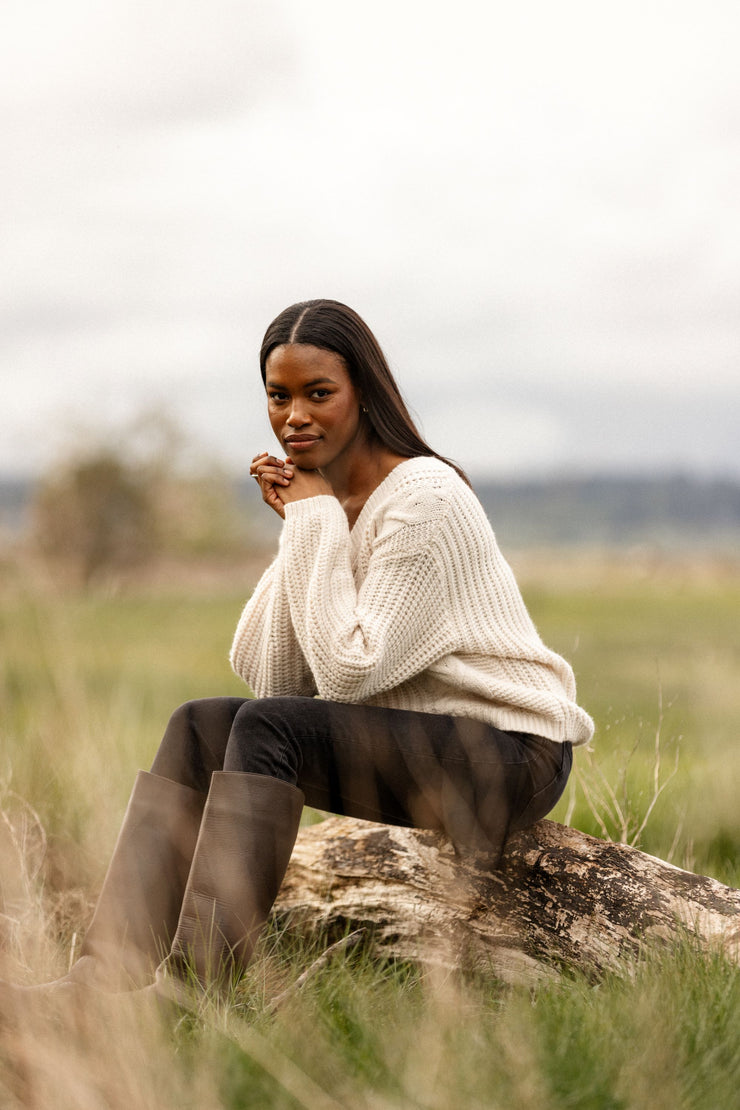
x=414 y=608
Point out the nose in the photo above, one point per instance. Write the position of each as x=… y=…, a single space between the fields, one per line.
x=298 y=417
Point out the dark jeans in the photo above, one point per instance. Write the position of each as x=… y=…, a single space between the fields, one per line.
x=425 y=770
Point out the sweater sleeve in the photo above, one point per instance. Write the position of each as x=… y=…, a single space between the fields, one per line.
x=265 y=651
x=358 y=642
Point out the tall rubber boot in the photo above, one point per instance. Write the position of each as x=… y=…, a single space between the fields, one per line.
x=246 y=837
x=139 y=905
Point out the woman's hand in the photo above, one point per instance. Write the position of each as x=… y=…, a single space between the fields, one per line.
x=271 y=473
x=282 y=482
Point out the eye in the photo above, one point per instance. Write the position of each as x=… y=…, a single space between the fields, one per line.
x=321 y=394
x=276 y=396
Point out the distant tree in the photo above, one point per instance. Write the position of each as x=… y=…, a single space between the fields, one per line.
x=93 y=515
x=111 y=508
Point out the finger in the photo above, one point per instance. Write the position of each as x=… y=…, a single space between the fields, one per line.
x=273 y=479
x=266 y=461
x=278 y=474
x=263 y=457
x=276 y=465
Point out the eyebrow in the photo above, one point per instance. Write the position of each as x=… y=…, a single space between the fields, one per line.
x=306 y=385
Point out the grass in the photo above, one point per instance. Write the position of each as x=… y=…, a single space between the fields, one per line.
x=86 y=686
x=660 y=656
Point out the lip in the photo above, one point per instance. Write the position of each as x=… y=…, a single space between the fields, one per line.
x=301 y=443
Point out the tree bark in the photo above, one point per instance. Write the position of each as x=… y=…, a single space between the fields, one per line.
x=560 y=898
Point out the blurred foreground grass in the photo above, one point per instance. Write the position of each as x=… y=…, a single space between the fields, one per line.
x=86 y=685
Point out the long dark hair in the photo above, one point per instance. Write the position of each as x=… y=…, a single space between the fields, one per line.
x=334 y=326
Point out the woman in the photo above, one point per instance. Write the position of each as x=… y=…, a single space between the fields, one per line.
x=438 y=705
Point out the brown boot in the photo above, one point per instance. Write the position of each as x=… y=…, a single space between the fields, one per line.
x=249 y=826
x=139 y=904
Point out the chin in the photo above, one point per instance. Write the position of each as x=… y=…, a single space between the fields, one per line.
x=313 y=458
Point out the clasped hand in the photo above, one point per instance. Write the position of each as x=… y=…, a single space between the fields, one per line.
x=281 y=481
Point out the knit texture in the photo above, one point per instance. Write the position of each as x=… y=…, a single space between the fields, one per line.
x=414 y=608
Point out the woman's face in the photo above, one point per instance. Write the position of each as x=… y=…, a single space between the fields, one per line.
x=312 y=404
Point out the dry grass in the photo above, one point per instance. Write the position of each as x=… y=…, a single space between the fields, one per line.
x=86 y=683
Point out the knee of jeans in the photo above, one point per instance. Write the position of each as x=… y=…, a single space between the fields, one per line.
x=199 y=717
x=262 y=741
x=178 y=733
x=194 y=741
x=178 y=756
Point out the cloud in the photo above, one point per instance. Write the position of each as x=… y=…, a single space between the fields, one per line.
x=150 y=63
x=535 y=200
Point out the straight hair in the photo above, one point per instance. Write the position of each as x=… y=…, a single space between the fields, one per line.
x=334 y=326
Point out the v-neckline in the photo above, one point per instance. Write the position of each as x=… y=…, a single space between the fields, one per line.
x=374 y=496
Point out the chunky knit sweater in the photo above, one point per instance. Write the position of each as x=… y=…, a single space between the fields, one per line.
x=413 y=608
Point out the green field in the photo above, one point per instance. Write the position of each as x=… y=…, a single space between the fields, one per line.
x=88 y=682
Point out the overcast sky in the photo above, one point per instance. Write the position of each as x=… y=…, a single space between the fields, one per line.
x=533 y=204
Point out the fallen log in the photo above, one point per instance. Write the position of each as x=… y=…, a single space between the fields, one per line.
x=560 y=899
